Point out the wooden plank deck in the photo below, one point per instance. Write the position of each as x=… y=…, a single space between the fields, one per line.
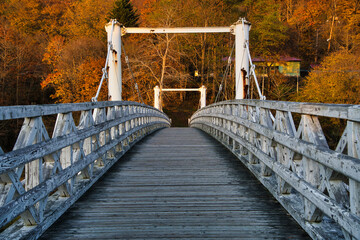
x=177 y=183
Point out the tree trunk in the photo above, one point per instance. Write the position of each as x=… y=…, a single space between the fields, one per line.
x=203 y=50
x=163 y=69
x=215 y=80
x=203 y=39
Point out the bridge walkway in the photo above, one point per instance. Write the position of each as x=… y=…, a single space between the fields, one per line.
x=177 y=183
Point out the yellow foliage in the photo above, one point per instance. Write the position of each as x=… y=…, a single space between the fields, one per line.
x=336 y=80
x=88 y=18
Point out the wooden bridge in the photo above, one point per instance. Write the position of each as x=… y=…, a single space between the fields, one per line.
x=181 y=182
x=270 y=174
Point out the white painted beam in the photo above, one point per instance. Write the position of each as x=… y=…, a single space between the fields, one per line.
x=181 y=89
x=202 y=91
x=178 y=30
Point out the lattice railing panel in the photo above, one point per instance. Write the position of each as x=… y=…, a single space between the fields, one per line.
x=318 y=186
x=42 y=177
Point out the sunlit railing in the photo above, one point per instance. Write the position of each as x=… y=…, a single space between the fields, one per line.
x=42 y=177
x=318 y=186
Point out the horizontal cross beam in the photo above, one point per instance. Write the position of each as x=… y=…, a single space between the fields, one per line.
x=178 y=30
x=181 y=89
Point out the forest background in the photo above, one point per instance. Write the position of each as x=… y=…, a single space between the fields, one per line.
x=53 y=51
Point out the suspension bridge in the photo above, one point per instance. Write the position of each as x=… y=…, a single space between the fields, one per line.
x=244 y=169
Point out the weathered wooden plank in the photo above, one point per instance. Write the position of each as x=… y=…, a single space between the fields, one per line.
x=178 y=196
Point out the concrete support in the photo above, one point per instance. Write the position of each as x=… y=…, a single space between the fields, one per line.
x=202 y=96
x=157 y=97
x=242 y=28
x=114 y=70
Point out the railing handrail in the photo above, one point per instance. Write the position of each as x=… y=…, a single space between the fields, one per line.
x=27 y=111
x=342 y=111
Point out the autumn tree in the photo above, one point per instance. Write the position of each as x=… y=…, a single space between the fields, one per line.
x=321 y=27
x=87 y=18
x=21 y=71
x=36 y=17
x=186 y=53
x=124 y=12
x=20 y=67
x=76 y=69
x=308 y=27
x=345 y=21
x=268 y=32
x=336 y=80
x=59 y=29
x=157 y=56
x=205 y=51
x=268 y=40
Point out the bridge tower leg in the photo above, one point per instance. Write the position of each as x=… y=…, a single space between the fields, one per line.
x=242 y=71
x=114 y=71
x=202 y=96
x=157 y=97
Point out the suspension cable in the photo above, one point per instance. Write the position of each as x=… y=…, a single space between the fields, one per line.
x=104 y=70
x=225 y=73
x=252 y=72
x=252 y=66
x=132 y=74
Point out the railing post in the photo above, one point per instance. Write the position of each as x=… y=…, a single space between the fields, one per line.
x=312 y=132
x=242 y=28
x=353 y=146
x=32 y=131
x=114 y=72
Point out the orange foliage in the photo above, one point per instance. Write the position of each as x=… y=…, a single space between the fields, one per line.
x=310 y=13
x=76 y=68
x=79 y=86
x=89 y=76
x=148 y=7
x=54 y=50
x=69 y=37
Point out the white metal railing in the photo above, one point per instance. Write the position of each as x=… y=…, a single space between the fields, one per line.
x=42 y=177
x=318 y=186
